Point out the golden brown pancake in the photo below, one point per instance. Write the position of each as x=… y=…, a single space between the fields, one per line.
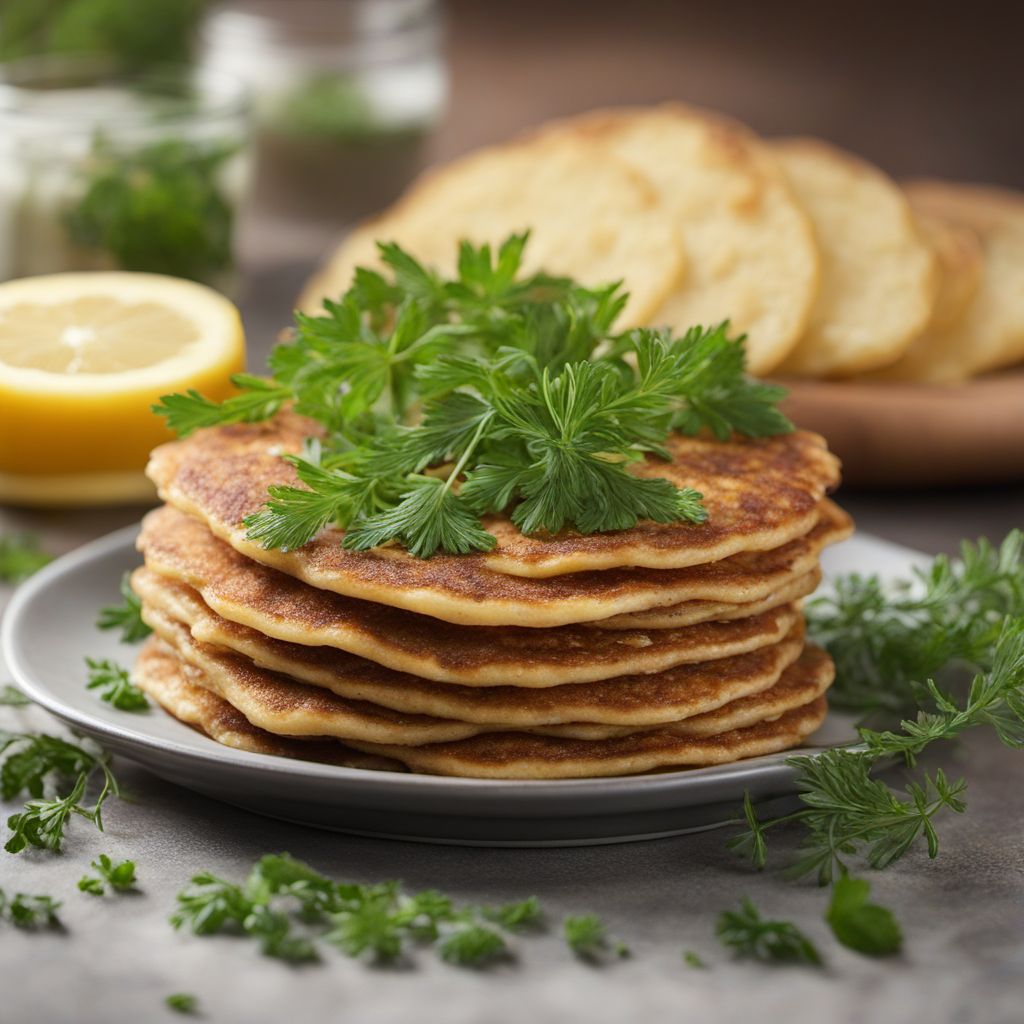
x=477 y=597
x=636 y=701
x=160 y=674
x=689 y=612
x=517 y=755
x=807 y=679
x=284 y=608
x=279 y=705
x=759 y=494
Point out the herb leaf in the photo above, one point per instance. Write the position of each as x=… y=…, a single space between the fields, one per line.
x=33 y=761
x=159 y=208
x=12 y=697
x=24 y=911
x=441 y=400
x=749 y=934
x=115 y=682
x=859 y=924
x=20 y=556
x=120 y=877
x=126 y=616
x=182 y=1002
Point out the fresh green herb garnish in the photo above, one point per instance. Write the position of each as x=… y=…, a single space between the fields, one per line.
x=31 y=763
x=517 y=916
x=126 y=616
x=848 y=812
x=182 y=1002
x=692 y=959
x=20 y=556
x=472 y=945
x=443 y=400
x=749 y=934
x=92 y=885
x=12 y=697
x=887 y=640
x=25 y=911
x=159 y=209
x=379 y=922
x=120 y=877
x=587 y=936
x=859 y=924
x=115 y=682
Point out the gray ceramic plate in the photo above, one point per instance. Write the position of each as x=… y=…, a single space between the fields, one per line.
x=49 y=628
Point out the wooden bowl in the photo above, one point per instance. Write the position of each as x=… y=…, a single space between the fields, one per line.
x=913 y=435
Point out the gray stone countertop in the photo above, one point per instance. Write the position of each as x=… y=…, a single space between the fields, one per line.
x=963 y=914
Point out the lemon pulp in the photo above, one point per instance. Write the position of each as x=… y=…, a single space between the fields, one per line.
x=82 y=359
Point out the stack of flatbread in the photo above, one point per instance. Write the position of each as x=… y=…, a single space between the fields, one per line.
x=666 y=645
x=831 y=268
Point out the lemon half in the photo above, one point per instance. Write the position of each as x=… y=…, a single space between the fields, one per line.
x=82 y=358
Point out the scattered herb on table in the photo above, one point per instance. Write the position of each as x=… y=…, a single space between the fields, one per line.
x=442 y=400
x=159 y=209
x=859 y=924
x=115 y=683
x=182 y=1002
x=20 y=556
x=379 y=922
x=587 y=936
x=692 y=959
x=120 y=877
x=35 y=763
x=526 y=914
x=749 y=934
x=12 y=697
x=887 y=640
x=126 y=616
x=24 y=911
x=847 y=811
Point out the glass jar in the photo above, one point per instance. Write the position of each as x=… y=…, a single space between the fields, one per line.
x=345 y=94
x=102 y=171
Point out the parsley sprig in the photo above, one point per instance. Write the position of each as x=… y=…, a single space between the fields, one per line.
x=36 y=764
x=749 y=934
x=965 y=612
x=24 y=911
x=126 y=616
x=120 y=876
x=442 y=400
x=115 y=685
x=285 y=905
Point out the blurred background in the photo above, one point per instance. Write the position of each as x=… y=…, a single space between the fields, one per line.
x=244 y=137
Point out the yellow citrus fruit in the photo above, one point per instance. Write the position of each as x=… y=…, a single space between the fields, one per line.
x=82 y=358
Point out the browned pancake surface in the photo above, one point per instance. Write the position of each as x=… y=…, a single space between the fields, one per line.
x=759 y=494
x=280 y=606
x=638 y=700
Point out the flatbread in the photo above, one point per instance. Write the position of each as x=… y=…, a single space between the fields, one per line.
x=759 y=494
x=590 y=215
x=162 y=676
x=750 y=251
x=990 y=334
x=878 y=276
x=282 y=607
x=690 y=612
x=516 y=755
x=637 y=701
x=960 y=260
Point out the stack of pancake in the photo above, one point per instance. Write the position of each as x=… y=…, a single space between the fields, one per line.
x=666 y=645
